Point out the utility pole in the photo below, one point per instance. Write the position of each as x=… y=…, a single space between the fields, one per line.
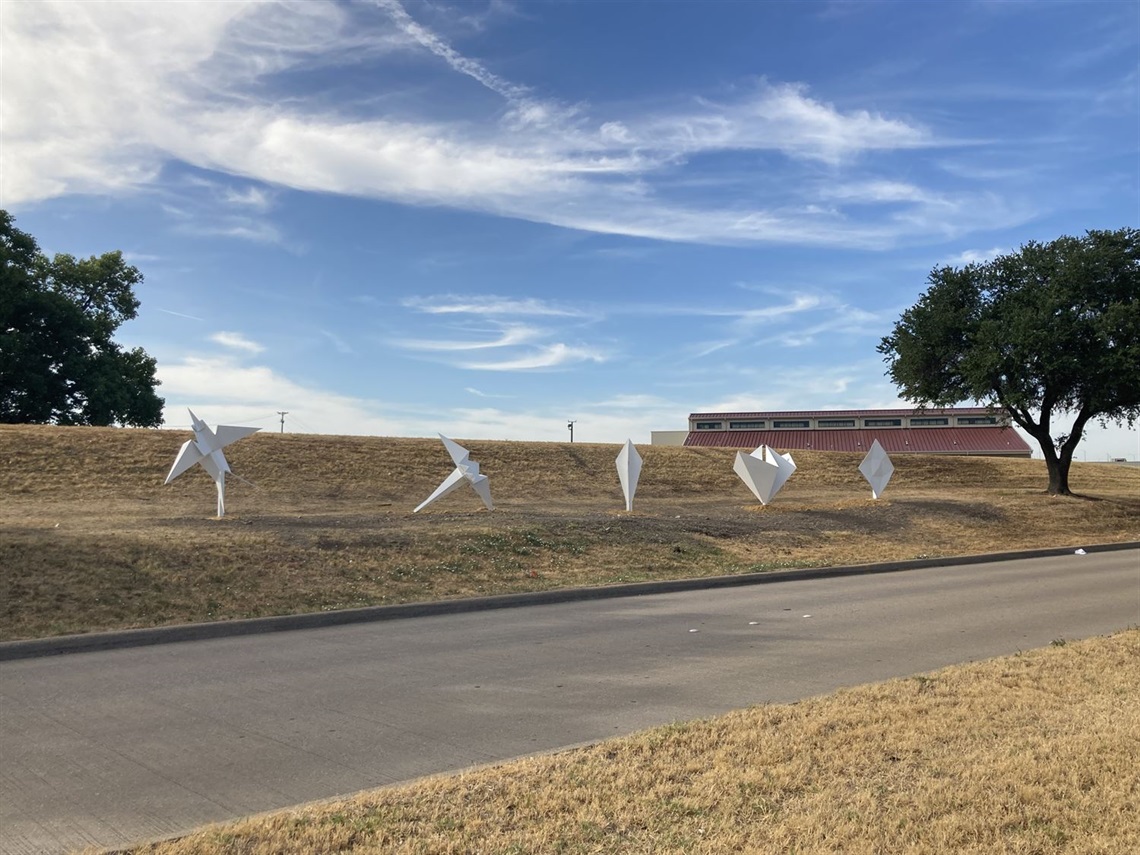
x=570 y=425
x=283 y=414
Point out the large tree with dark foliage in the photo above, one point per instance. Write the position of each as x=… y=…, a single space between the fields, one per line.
x=58 y=363
x=1051 y=329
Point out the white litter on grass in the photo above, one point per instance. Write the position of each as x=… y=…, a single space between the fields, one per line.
x=694 y=630
x=807 y=615
x=1080 y=552
x=753 y=622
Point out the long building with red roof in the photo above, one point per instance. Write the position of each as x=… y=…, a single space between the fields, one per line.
x=947 y=430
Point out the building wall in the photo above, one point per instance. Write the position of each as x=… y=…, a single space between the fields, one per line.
x=668 y=437
x=951 y=430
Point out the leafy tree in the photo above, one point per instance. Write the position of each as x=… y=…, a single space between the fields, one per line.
x=57 y=360
x=1053 y=328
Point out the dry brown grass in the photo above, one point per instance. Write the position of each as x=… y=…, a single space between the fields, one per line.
x=91 y=539
x=1033 y=753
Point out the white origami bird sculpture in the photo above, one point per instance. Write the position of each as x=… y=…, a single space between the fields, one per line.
x=877 y=469
x=206 y=448
x=764 y=471
x=467 y=470
x=629 y=470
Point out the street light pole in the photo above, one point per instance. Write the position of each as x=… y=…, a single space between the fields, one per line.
x=570 y=425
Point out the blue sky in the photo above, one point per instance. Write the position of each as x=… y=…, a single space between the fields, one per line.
x=488 y=218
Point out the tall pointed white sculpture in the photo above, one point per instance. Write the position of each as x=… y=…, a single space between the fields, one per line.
x=629 y=470
x=206 y=448
x=467 y=470
x=877 y=469
x=764 y=471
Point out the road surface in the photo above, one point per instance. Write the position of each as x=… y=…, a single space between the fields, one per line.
x=123 y=746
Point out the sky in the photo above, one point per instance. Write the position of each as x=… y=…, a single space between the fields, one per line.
x=491 y=218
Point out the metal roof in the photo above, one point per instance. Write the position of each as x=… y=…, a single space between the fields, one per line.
x=946 y=440
x=826 y=414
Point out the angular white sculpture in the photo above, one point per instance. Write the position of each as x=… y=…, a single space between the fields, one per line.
x=877 y=469
x=206 y=448
x=764 y=471
x=467 y=470
x=629 y=470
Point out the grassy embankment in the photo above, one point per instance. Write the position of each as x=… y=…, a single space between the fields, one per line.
x=90 y=538
x=1033 y=753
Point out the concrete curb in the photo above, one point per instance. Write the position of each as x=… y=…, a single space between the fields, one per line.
x=34 y=648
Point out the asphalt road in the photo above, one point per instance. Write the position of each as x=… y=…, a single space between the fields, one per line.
x=122 y=746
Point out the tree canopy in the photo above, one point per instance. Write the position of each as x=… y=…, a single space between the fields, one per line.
x=58 y=363
x=1049 y=330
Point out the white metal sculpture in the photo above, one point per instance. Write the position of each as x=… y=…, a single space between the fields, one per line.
x=206 y=448
x=629 y=470
x=877 y=469
x=467 y=470
x=764 y=471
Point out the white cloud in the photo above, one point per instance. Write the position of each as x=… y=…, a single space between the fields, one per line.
x=258 y=232
x=447 y=304
x=236 y=341
x=250 y=197
x=201 y=217
x=784 y=117
x=972 y=256
x=876 y=191
x=478 y=394
x=550 y=356
x=633 y=402
x=226 y=392
x=524 y=339
x=135 y=85
x=509 y=336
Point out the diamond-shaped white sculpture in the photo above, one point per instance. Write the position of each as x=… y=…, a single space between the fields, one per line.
x=764 y=471
x=629 y=470
x=467 y=470
x=877 y=469
x=206 y=448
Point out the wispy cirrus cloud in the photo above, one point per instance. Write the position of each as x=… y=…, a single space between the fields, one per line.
x=795 y=323
x=508 y=336
x=236 y=341
x=248 y=197
x=137 y=86
x=337 y=342
x=471 y=390
x=207 y=209
x=486 y=304
x=487 y=322
x=549 y=356
x=178 y=314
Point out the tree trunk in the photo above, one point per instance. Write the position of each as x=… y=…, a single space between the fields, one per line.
x=1058 y=474
x=1057 y=464
x=1065 y=457
x=1057 y=459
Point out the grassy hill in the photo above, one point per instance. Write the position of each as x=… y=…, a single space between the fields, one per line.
x=90 y=538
